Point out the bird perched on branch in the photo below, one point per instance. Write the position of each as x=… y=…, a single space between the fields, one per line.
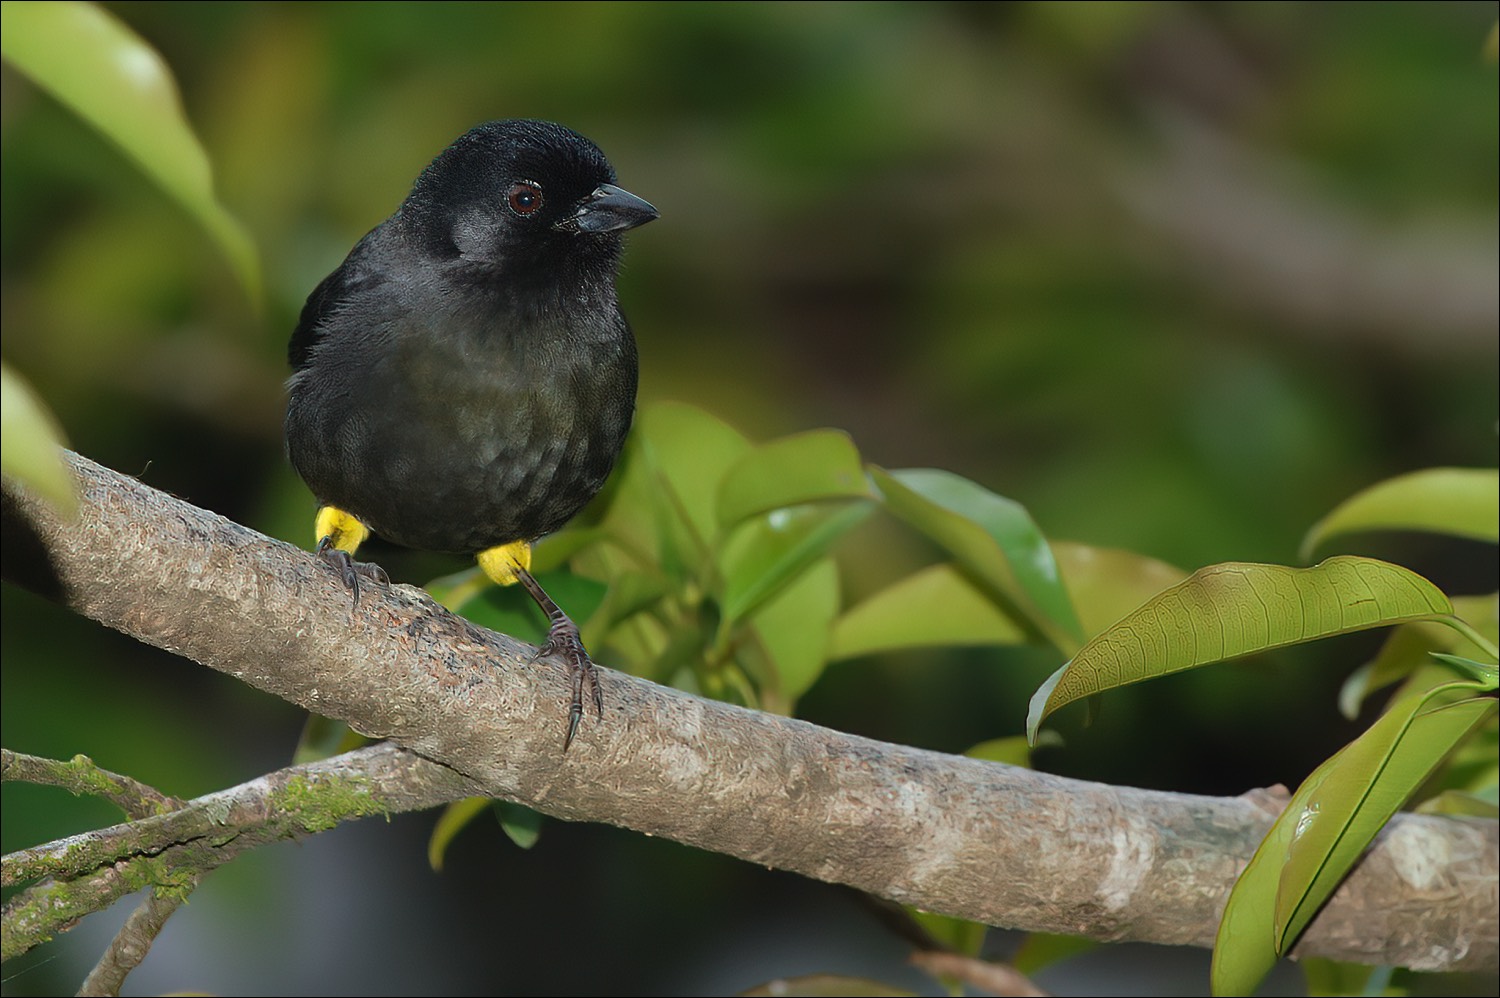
x=463 y=382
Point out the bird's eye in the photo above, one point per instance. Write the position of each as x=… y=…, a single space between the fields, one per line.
x=524 y=198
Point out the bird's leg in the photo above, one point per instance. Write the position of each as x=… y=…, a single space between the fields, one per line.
x=339 y=535
x=511 y=563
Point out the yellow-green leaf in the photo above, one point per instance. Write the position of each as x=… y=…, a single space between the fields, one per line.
x=1464 y=502
x=993 y=538
x=793 y=629
x=684 y=453
x=958 y=934
x=454 y=819
x=803 y=468
x=1225 y=611
x=1244 y=948
x=31 y=443
x=1013 y=750
x=110 y=77
x=936 y=606
x=1107 y=583
x=521 y=824
x=1366 y=783
x=767 y=553
x=1297 y=865
x=1409 y=648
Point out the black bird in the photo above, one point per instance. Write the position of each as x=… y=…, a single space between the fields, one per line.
x=464 y=380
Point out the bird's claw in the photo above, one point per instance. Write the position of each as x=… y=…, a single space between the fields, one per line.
x=563 y=641
x=349 y=570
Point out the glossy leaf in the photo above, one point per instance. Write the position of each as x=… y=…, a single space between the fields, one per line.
x=935 y=606
x=1409 y=648
x=1326 y=826
x=804 y=468
x=323 y=738
x=1459 y=803
x=1107 y=583
x=110 y=77
x=1225 y=611
x=942 y=606
x=454 y=819
x=765 y=554
x=1334 y=978
x=993 y=538
x=1366 y=784
x=521 y=824
x=691 y=451
x=31 y=442
x=1040 y=950
x=1013 y=751
x=1464 y=502
x=629 y=593
x=1484 y=673
x=1245 y=945
x=793 y=629
x=958 y=934
x=509 y=610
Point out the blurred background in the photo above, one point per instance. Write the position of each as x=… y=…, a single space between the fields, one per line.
x=1178 y=277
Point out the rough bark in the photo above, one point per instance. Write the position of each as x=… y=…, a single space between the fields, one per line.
x=984 y=841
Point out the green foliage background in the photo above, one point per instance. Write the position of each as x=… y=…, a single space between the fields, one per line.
x=1177 y=277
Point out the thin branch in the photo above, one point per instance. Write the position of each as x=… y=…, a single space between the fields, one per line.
x=983 y=841
x=80 y=775
x=170 y=853
x=131 y=944
x=994 y=978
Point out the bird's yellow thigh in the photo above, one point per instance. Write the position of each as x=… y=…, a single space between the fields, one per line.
x=337 y=529
x=500 y=563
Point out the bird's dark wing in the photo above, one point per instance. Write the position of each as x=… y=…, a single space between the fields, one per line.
x=355 y=276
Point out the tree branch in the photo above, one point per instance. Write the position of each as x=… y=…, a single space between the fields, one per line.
x=983 y=841
x=87 y=872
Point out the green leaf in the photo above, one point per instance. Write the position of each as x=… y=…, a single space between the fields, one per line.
x=110 y=77
x=1107 y=583
x=793 y=629
x=1333 y=978
x=31 y=443
x=521 y=824
x=1480 y=672
x=455 y=817
x=1040 y=950
x=1464 y=502
x=324 y=738
x=958 y=934
x=667 y=502
x=765 y=554
x=936 y=606
x=629 y=594
x=1225 y=611
x=1409 y=649
x=1013 y=751
x=1244 y=949
x=993 y=538
x=509 y=610
x=941 y=605
x=1335 y=807
x=1368 y=781
x=1457 y=802
x=692 y=451
x=804 y=468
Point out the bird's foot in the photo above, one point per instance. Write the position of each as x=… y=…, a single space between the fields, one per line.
x=349 y=570
x=563 y=642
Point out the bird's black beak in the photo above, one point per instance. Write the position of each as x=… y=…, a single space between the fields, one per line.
x=608 y=209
